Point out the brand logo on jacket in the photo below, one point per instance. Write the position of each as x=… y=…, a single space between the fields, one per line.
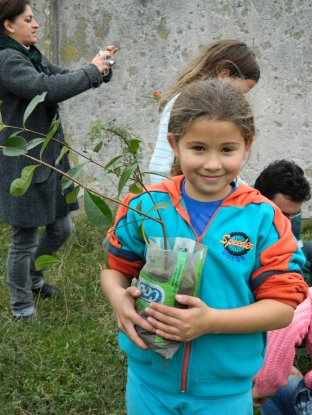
x=236 y=245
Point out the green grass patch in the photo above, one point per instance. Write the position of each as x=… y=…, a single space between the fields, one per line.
x=66 y=361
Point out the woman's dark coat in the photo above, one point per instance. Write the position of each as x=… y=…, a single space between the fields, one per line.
x=20 y=82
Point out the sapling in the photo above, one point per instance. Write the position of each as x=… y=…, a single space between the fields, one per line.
x=178 y=263
x=125 y=167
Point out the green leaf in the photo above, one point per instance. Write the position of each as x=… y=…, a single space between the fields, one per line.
x=142 y=233
x=33 y=143
x=136 y=188
x=101 y=177
x=74 y=172
x=45 y=261
x=63 y=151
x=125 y=177
x=139 y=206
x=15 y=146
x=162 y=205
x=98 y=147
x=21 y=185
x=53 y=128
x=134 y=145
x=113 y=161
x=32 y=105
x=72 y=196
x=97 y=210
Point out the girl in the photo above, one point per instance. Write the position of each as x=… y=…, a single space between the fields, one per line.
x=229 y=60
x=251 y=278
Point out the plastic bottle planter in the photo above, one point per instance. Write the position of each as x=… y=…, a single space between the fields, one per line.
x=166 y=273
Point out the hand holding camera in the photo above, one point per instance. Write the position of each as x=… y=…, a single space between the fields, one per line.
x=105 y=59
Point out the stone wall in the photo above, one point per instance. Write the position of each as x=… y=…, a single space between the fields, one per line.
x=157 y=38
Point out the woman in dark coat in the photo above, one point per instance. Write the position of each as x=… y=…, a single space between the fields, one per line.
x=24 y=74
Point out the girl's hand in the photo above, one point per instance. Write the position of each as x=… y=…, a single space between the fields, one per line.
x=258 y=398
x=127 y=317
x=296 y=372
x=121 y=296
x=198 y=319
x=180 y=324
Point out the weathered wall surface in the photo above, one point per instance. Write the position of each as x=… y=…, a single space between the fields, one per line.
x=157 y=38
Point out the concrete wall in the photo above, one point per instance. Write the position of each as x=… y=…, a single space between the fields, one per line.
x=157 y=38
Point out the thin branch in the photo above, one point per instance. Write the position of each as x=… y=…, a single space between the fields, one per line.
x=157 y=210
x=137 y=175
x=59 y=142
x=88 y=188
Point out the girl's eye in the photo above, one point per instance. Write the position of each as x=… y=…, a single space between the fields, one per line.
x=198 y=148
x=227 y=150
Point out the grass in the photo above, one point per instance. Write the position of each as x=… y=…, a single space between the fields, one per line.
x=67 y=360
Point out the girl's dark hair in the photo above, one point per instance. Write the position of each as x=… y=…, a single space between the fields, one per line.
x=212 y=100
x=10 y=10
x=230 y=54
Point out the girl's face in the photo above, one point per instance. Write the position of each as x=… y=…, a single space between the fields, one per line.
x=244 y=84
x=211 y=154
x=23 y=29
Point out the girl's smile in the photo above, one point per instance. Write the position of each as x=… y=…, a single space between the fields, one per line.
x=211 y=178
x=211 y=154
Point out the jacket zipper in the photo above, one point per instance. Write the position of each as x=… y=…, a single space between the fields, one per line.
x=187 y=351
x=186 y=359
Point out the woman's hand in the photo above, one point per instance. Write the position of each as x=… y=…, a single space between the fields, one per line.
x=101 y=64
x=111 y=51
x=104 y=66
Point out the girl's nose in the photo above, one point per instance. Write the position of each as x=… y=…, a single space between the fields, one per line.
x=35 y=24
x=212 y=163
